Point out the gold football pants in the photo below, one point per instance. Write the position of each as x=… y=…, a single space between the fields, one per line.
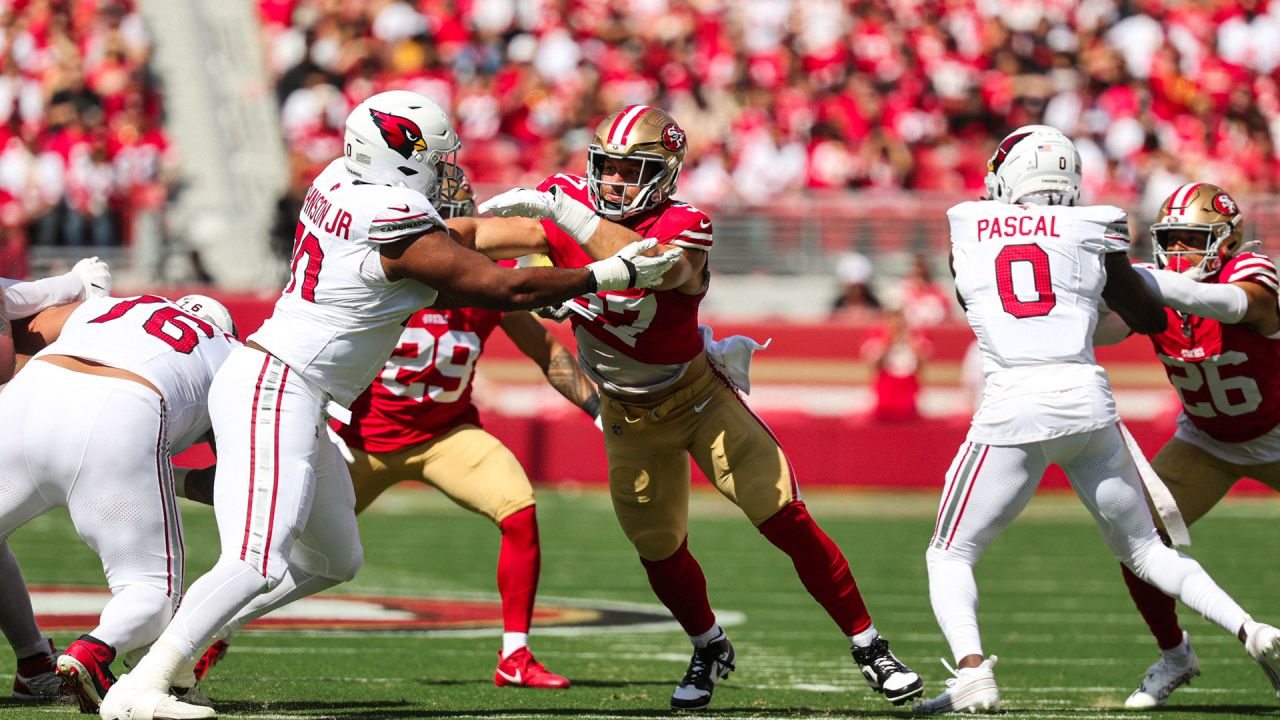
x=648 y=449
x=1198 y=480
x=470 y=466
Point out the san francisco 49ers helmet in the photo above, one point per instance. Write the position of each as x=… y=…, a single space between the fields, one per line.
x=1205 y=208
x=209 y=310
x=456 y=196
x=637 y=132
x=1034 y=159
x=402 y=139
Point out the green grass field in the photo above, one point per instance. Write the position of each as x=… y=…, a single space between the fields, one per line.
x=1053 y=607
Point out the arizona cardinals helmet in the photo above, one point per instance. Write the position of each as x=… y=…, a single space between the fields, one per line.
x=209 y=310
x=1034 y=159
x=403 y=139
x=637 y=132
x=456 y=197
x=1204 y=208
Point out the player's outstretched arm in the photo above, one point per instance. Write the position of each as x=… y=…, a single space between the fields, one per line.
x=557 y=362
x=470 y=278
x=599 y=237
x=1127 y=294
x=89 y=277
x=1243 y=302
x=499 y=238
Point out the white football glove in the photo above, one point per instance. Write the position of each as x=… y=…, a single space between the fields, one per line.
x=630 y=268
x=571 y=216
x=95 y=275
x=520 y=202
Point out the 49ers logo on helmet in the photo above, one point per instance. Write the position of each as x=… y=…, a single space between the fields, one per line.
x=673 y=138
x=402 y=134
x=1223 y=203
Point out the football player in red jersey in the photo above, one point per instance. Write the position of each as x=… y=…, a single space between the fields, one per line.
x=666 y=394
x=1222 y=353
x=417 y=422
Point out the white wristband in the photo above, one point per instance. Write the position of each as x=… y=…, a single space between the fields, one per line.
x=1216 y=301
x=612 y=273
x=571 y=216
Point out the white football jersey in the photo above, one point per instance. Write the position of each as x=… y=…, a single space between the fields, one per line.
x=339 y=317
x=155 y=339
x=1031 y=278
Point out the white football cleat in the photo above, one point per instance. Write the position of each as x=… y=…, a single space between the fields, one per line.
x=971 y=690
x=1263 y=643
x=1171 y=672
x=126 y=701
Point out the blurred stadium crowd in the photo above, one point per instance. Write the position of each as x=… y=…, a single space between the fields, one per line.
x=778 y=96
x=785 y=95
x=82 y=146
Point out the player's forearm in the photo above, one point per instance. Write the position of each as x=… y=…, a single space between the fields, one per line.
x=501 y=238
x=24 y=299
x=567 y=378
x=1216 y=301
x=608 y=238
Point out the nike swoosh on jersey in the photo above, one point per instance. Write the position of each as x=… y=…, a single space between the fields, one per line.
x=403 y=208
x=699 y=407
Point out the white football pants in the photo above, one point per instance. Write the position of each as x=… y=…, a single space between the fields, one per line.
x=988 y=486
x=282 y=497
x=98 y=447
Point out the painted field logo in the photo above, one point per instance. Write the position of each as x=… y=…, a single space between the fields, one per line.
x=76 y=608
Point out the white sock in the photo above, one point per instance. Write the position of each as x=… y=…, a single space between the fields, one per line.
x=1180 y=576
x=211 y=602
x=704 y=639
x=159 y=667
x=953 y=592
x=513 y=641
x=134 y=617
x=864 y=638
x=295 y=585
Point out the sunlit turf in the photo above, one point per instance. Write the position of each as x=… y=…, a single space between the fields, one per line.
x=1053 y=608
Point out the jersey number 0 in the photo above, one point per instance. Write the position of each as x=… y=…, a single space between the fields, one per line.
x=1037 y=259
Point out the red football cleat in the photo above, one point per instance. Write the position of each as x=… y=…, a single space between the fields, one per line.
x=521 y=669
x=210 y=658
x=86 y=667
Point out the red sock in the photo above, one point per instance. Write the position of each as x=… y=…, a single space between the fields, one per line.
x=680 y=585
x=821 y=566
x=519 y=562
x=1159 y=610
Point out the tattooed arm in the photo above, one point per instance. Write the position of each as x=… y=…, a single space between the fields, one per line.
x=556 y=361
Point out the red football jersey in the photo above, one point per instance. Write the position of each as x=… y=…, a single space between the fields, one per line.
x=424 y=390
x=1227 y=376
x=650 y=326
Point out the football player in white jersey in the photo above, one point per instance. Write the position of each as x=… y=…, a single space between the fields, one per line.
x=35 y=678
x=122 y=383
x=1031 y=271
x=371 y=249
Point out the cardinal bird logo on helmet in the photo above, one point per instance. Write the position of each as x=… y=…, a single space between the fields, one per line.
x=402 y=134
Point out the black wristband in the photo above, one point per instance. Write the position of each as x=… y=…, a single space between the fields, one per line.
x=592 y=286
x=592 y=407
x=631 y=272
